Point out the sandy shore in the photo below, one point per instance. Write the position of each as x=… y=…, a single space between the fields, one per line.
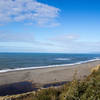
x=48 y=75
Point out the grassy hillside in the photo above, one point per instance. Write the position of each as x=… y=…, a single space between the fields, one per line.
x=87 y=89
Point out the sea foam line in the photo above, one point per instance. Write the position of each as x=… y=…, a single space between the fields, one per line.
x=49 y=66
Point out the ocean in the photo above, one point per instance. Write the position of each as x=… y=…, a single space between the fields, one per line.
x=21 y=61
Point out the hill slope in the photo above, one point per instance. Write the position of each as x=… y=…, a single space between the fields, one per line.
x=87 y=89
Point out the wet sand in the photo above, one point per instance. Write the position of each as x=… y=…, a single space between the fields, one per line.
x=44 y=76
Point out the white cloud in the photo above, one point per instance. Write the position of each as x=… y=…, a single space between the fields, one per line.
x=30 y=10
x=66 y=43
x=71 y=43
x=16 y=37
x=65 y=38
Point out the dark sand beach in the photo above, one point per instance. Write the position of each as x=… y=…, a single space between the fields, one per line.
x=44 y=76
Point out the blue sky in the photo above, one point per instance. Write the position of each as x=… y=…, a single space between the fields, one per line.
x=62 y=26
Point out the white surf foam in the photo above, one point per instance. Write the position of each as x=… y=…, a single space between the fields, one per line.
x=62 y=59
x=49 y=66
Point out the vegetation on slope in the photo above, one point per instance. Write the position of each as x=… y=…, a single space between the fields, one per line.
x=87 y=89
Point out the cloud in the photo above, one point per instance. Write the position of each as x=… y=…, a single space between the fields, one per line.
x=35 y=46
x=17 y=42
x=65 y=38
x=65 y=43
x=77 y=47
x=71 y=43
x=16 y=37
x=30 y=11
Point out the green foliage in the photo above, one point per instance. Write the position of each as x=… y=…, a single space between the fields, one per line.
x=48 y=94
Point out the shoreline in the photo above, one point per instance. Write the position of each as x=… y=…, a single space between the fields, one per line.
x=42 y=76
x=49 y=66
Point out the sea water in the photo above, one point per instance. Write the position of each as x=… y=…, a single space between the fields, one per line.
x=21 y=61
